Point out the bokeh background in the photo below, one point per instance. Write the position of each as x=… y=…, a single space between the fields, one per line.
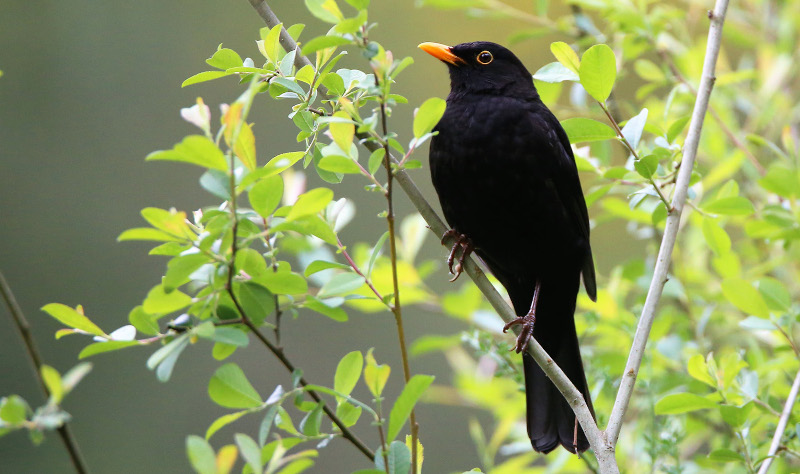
x=89 y=89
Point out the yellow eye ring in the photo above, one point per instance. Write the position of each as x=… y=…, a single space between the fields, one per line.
x=484 y=57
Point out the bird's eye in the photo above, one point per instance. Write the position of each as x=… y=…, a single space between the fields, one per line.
x=485 y=57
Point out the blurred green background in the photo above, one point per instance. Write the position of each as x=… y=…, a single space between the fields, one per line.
x=89 y=89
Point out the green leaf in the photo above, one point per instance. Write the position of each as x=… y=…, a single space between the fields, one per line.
x=13 y=409
x=716 y=237
x=348 y=371
x=678 y=403
x=566 y=56
x=339 y=164
x=335 y=313
x=742 y=294
x=598 y=71
x=179 y=269
x=52 y=380
x=310 y=203
x=257 y=301
x=225 y=58
x=72 y=318
x=375 y=160
x=283 y=283
x=343 y=130
x=375 y=376
x=341 y=283
x=428 y=115
x=323 y=42
x=775 y=294
x=781 y=180
x=143 y=322
x=646 y=166
x=204 y=76
x=725 y=455
x=266 y=195
x=405 y=403
x=325 y=10
x=272 y=46
x=320 y=265
x=158 y=301
x=754 y=322
x=250 y=450
x=632 y=131
x=399 y=457
x=289 y=84
x=310 y=423
x=699 y=370
x=555 y=72
x=229 y=335
x=164 y=359
x=105 y=346
x=736 y=205
x=201 y=455
x=194 y=149
x=147 y=233
x=648 y=70
x=223 y=421
x=677 y=127
x=358 y=4
x=230 y=388
x=581 y=129
x=376 y=251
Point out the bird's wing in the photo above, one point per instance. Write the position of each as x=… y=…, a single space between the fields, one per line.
x=571 y=195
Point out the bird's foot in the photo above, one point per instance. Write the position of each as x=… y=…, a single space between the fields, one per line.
x=525 y=334
x=462 y=242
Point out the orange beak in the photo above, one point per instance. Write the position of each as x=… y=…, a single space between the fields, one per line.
x=441 y=52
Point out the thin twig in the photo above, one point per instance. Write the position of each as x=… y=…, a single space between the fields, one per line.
x=603 y=450
x=346 y=433
x=396 y=308
x=784 y=419
x=628 y=381
x=714 y=114
x=21 y=323
x=633 y=152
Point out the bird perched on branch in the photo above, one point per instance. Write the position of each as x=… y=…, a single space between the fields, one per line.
x=506 y=178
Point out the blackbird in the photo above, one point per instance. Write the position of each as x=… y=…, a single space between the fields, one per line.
x=507 y=181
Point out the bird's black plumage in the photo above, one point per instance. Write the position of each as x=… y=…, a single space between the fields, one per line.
x=506 y=178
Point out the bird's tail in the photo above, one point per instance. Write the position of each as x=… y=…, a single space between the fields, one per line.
x=551 y=420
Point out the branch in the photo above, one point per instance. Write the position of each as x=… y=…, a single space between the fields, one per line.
x=784 y=419
x=36 y=360
x=717 y=18
x=597 y=439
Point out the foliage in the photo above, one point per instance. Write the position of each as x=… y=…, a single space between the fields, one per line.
x=722 y=351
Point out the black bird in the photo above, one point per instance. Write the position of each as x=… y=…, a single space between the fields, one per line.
x=508 y=185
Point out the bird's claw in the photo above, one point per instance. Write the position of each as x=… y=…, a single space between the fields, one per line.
x=525 y=334
x=462 y=242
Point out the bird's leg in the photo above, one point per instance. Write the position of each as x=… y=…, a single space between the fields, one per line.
x=526 y=321
x=462 y=242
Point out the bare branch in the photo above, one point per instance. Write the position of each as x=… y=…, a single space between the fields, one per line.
x=782 y=422
x=717 y=18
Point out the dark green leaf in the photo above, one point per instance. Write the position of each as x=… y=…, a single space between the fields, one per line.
x=257 y=301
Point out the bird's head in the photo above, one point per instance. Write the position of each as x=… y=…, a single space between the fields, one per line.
x=483 y=67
